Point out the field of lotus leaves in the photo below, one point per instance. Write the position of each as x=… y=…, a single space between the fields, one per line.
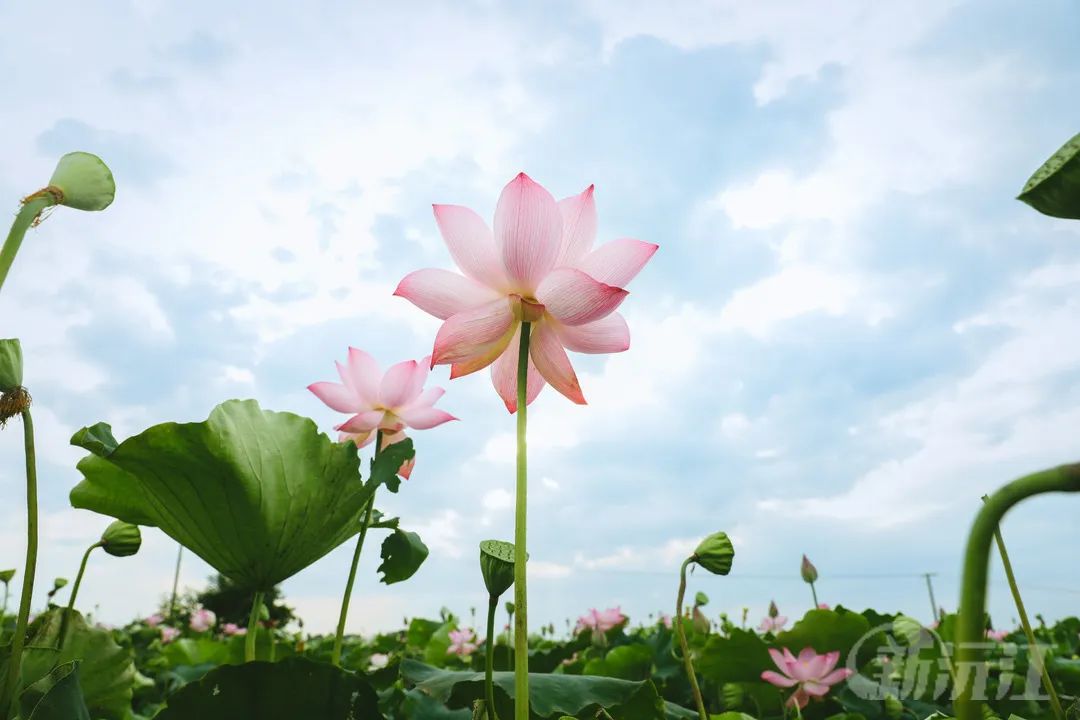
x=260 y=495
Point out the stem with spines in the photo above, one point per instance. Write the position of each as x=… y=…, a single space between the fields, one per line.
x=339 y=636
x=683 y=645
x=521 y=603
x=489 y=661
x=31 y=208
x=75 y=591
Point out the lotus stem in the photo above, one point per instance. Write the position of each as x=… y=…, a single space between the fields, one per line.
x=972 y=620
x=10 y=689
x=683 y=645
x=175 y=583
x=1036 y=656
x=31 y=208
x=253 y=627
x=489 y=661
x=521 y=602
x=339 y=637
x=75 y=591
x=813 y=593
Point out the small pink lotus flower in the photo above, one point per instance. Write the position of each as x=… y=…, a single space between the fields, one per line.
x=997 y=635
x=168 y=634
x=230 y=629
x=539 y=266
x=666 y=619
x=772 y=624
x=823 y=606
x=811 y=674
x=202 y=620
x=461 y=642
x=600 y=620
x=389 y=402
x=153 y=620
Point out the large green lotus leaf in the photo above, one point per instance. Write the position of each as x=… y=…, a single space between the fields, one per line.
x=258 y=495
x=56 y=696
x=288 y=690
x=1054 y=189
x=740 y=657
x=550 y=696
x=829 y=630
x=107 y=672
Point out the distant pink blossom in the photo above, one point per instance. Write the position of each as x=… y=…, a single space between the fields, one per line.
x=538 y=266
x=389 y=401
x=461 y=642
x=601 y=620
x=823 y=606
x=168 y=634
x=666 y=619
x=202 y=620
x=154 y=620
x=231 y=629
x=810 y=674
x=997 y=635
x=772 y=624
x=378 y=660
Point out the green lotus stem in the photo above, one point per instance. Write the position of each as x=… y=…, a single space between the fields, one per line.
x=31 y=208
x=972 y=620
x=813 y=592
x=75 y=591
x=14 y=662
x=253 y=627
x=489 y=661
x=175 y=583
x=339 y=637
x=521 y=602
x=1036 y=657
x=681 y=632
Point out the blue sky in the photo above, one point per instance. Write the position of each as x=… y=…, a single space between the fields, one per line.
x=850 y=333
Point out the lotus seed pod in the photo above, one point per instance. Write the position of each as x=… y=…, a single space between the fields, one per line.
x=121 y=539
x=497 y=566
x=700 y=599
x=11 y=365
x=893 y=707
x=509 y=608
x=715 y=554
x=85 y=181
x=7 y=575
x=808 y=571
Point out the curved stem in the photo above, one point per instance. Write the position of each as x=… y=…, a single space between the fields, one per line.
x=339 y=637
x=813 y=591
x=75 y=591
x=175 y=584
x=489 y=662
x=14 y=663
x=253 y=627
x=1036 y=656
x=25 y=218
x=971 y=621
x=521 y=603
x=681 y=632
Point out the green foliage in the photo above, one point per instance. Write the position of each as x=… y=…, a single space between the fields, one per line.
x=259 y=495
x=56 y=696
x=829 y=630
x=402 y=553
x=1054 y=189
x=293 y=688
x=741 y=656
x=232 y=603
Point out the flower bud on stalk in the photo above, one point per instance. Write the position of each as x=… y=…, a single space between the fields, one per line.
x=121 y=539
x=809 y=575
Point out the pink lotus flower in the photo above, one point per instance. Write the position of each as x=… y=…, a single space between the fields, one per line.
x=600 y=620
x=811 y=674
x=378 y=660
x=461 y=642
x=389 y=402
x=202 y=620
x=772 y=624
x=997 y=635
x=538 y=266
x=666 y=619
x=154 y=620
x=230 y=629
x=168 y=634
x=823 y=606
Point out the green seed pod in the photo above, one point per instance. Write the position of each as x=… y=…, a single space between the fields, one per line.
x=893 y=707
x=733 y=695
x=84 y=181
x=808 y=571
x=497 y=566
x=11 y=365
x=121 y=539
x=715 y=554
x=700 y=599
x=7 y=575
x=509 y=608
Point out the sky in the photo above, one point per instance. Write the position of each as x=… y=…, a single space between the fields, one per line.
x=851 y=330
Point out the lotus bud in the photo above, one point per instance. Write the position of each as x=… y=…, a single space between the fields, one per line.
x=894 y=709
x=733 y=695
x=773 y=610
x=11 y=365
x=700 y=599
x=715 y=554
x=808 y=571
x=497 y=566
x=84 y=182
x=121 y=539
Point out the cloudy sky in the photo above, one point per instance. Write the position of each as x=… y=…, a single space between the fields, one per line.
x=850 y=333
